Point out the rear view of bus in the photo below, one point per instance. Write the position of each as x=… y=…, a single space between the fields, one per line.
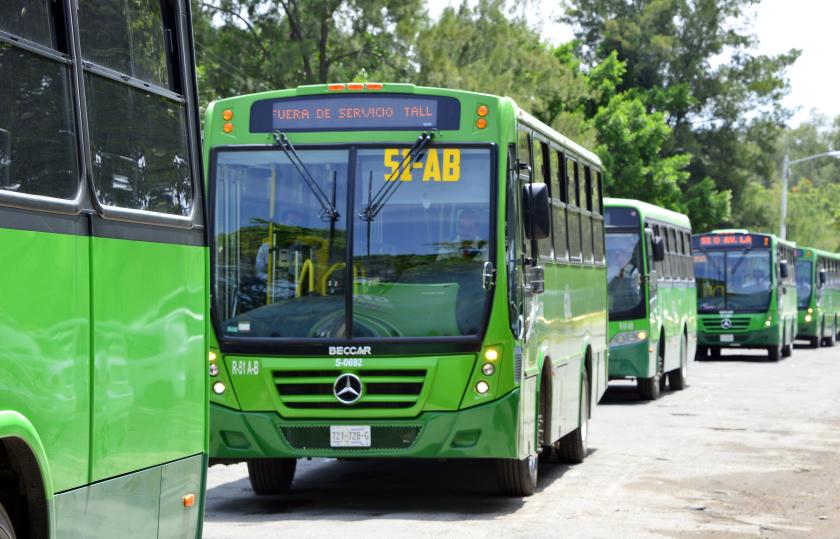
x=746 y=292
x=103 y=360
x=652 y=301
x=818 y=296
x=392 y=277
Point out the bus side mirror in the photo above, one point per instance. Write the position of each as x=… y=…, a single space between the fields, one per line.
x=823 y=277
x=658 y=249
x=784 y=272
x=536 y=211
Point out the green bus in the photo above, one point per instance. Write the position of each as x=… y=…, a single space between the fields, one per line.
x=401 y=272
x=818 y=296
x=652 y=298
x=746 y=292
x=103 y=386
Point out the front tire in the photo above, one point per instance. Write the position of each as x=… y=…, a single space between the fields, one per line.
x=701 y=354
x=7 y=531
x=517 y=477
x=271 y=476
x=677 y=378
x=774 y=352
x=828 y=342
x=814 y=342
x=572 y=447
x=787 y=350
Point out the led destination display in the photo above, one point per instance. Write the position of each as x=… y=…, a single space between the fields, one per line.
x=379 y=112
x=730 y=241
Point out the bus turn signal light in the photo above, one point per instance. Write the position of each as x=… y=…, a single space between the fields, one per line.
x=355 y=86
x=188 y=500
x=227 y=115
x=228 y=127
x=373 y=86
x=482 y=110
x=481 y=123
x=335 y=87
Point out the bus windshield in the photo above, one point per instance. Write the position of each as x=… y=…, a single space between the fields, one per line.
x=411 y=267
x=624 y=274
x=733 y=280
x=803 y=282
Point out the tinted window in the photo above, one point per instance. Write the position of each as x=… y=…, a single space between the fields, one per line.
x=137 y=163
x=803 y=283
x=573 y=215
x=29 y=19
x=37 y=128
x=598 y=238
x=542 y=174
x=558 y=211
x=624 y=275
x=622 y=217
x=127 y=36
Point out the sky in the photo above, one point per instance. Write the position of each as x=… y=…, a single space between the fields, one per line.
x=780 y=25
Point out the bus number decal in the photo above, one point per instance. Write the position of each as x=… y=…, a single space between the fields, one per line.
x=245 y=368
x=436 y=168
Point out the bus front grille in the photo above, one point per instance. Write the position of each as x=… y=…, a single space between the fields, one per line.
x=381 y=389
x=715 y=324
x=382 y=438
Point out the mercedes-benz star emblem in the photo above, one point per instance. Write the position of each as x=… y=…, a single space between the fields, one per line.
x=347 y=388
x=726 y=323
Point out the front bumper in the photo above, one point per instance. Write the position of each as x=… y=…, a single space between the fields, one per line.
x=751 y=339
x=631 y=361
x=485 y=431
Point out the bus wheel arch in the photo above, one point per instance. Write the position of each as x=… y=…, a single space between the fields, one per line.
x=24 y=498
x=544 y=405
x=587 y=367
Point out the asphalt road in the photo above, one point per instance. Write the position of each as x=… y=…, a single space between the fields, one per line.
x=749 y=449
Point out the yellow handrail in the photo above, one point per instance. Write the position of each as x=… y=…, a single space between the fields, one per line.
x=307 y=266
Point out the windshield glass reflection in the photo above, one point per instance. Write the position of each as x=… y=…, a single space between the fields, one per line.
x=737 y=280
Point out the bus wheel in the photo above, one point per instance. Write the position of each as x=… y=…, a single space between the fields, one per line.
x=787 y=350
x=701 y=353
x=814 y=342
x=677 y=378
x=7 y=531
x=650 y=388
x=829 y=341
x=271 y=476
x=774 y=352
x=715 y=351
x=571 y=448
x=517 y=477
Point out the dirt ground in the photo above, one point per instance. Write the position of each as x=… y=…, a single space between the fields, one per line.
x=749 y=449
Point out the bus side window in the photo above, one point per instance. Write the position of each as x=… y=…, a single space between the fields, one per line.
x=598 y=220
x=689 y=259
x=513 y=241
x=658 y=266
x=525 y=154
x=573 y=212
x=586 y=215
x=542 y=174
x=558 y=207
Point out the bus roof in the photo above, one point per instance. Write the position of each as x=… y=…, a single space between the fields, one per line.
x=534 y=123
x=651 y=211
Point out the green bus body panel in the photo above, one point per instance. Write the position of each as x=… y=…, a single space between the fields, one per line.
x=126 y=506
x=486 y=431
x=824 y=304
x=782 y=313
x=673 y=312
x=246 y=419
x=149 y=325
x=45 y=345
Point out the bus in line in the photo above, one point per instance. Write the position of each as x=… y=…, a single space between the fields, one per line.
x=746 y=292
x=103 y=385
x=652 y=297
x=818 y=296
x=401 y=271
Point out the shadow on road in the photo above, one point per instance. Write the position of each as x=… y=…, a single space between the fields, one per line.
x=353 y=490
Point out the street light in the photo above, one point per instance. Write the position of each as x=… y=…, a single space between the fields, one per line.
x=786 y=173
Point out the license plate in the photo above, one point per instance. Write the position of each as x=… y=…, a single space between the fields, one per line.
x=350 y=436
x=727 y=338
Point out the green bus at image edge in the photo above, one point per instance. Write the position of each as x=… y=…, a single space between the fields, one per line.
x=443 y=320
x=652 y=296
x=103 y=386
x=818 y=296
x=746 y=292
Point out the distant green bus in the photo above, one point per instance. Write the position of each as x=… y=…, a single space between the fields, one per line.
x=818 y=296
x=746 y=292
x=401 y=272
x=652 y=299
x=103 y=356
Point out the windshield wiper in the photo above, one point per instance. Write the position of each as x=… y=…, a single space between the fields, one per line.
x=328 y=209
x=393 y=182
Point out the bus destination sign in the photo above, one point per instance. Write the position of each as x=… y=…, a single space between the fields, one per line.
x=730 y=241
x=380 y=112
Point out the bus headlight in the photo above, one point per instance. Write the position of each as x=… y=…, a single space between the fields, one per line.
x=769 y=321
x=488 y=369
x=482 y=387
x=808 y=317
x=628 y=337
x=218 y=388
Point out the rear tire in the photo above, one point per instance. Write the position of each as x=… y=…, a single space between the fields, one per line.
x=271 y=476
x=517 y=477
x=572 y=447
x=677 y=378
x=774 y=352
x=7 y=531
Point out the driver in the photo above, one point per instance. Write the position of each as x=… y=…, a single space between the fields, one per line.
x=468 y=243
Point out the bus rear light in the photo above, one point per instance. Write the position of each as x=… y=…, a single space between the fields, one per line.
x=335 y=87
x=355 y=86
x=228 y=127
x=227 y=115
x=373 y=86
x=482 y=387
x=481 y=123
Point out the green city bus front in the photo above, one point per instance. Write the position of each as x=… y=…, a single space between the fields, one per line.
x=742 y=300
x=818 y=296
x=809 y=312
x=353 y=305
x=631 y=354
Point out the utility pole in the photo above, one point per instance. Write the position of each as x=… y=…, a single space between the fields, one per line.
x=785 y=177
